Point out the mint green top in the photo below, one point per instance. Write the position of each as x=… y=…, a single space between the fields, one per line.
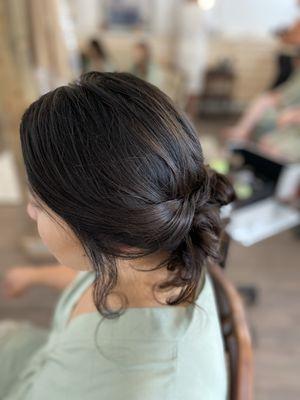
x=161 y=353
x=290 y=97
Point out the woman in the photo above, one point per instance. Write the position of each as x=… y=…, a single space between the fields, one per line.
x=143 y=66
x=166 y=77
x=120 y=193
x=95 y=57
x=284 y=142
x=262 y=116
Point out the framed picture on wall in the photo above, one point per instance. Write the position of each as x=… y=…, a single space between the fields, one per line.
x=127 y=14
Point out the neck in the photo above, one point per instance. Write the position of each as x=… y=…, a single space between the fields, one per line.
x=136 y=282
x=137 y=279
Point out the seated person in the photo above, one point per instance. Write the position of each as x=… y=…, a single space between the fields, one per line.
x=120 y=194
x=289 y=40
x=284 y=60
x=169 y=79
x=95 y=57
x=263 y=114
x=143 y=65
x=284 y=142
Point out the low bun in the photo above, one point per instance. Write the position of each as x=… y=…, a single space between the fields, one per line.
x=221 y=189
x=173 y=220
x=201 y=244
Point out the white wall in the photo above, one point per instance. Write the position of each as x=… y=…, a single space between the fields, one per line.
x=252 y=17
x=87 y=17
x=230 y=17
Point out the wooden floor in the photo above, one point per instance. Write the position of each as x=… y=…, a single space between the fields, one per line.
x=272 y=267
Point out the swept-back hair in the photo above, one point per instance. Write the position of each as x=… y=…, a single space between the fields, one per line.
x=113 y=157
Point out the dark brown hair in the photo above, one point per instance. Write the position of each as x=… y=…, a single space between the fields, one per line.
x=113 y=157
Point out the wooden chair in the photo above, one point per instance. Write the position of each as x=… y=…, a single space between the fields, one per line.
x=236 y=336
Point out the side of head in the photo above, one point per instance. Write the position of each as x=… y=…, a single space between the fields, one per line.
x=117 y=167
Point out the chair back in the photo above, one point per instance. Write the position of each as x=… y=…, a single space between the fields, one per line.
x=236 y=336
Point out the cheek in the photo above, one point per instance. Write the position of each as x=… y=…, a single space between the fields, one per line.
x=61 y=242
x=51 y=234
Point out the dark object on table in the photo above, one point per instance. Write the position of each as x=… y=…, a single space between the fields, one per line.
x=265 y=171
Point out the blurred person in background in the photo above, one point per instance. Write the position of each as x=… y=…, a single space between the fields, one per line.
x=284 y=141
x=123 y=200
x=273 y=113
x=289 y=42
x=161 y=74
x=95 y=57
x=143 y=65
x=192 y=50
x=284 y=59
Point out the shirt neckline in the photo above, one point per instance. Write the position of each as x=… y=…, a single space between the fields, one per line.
x=132 y=310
